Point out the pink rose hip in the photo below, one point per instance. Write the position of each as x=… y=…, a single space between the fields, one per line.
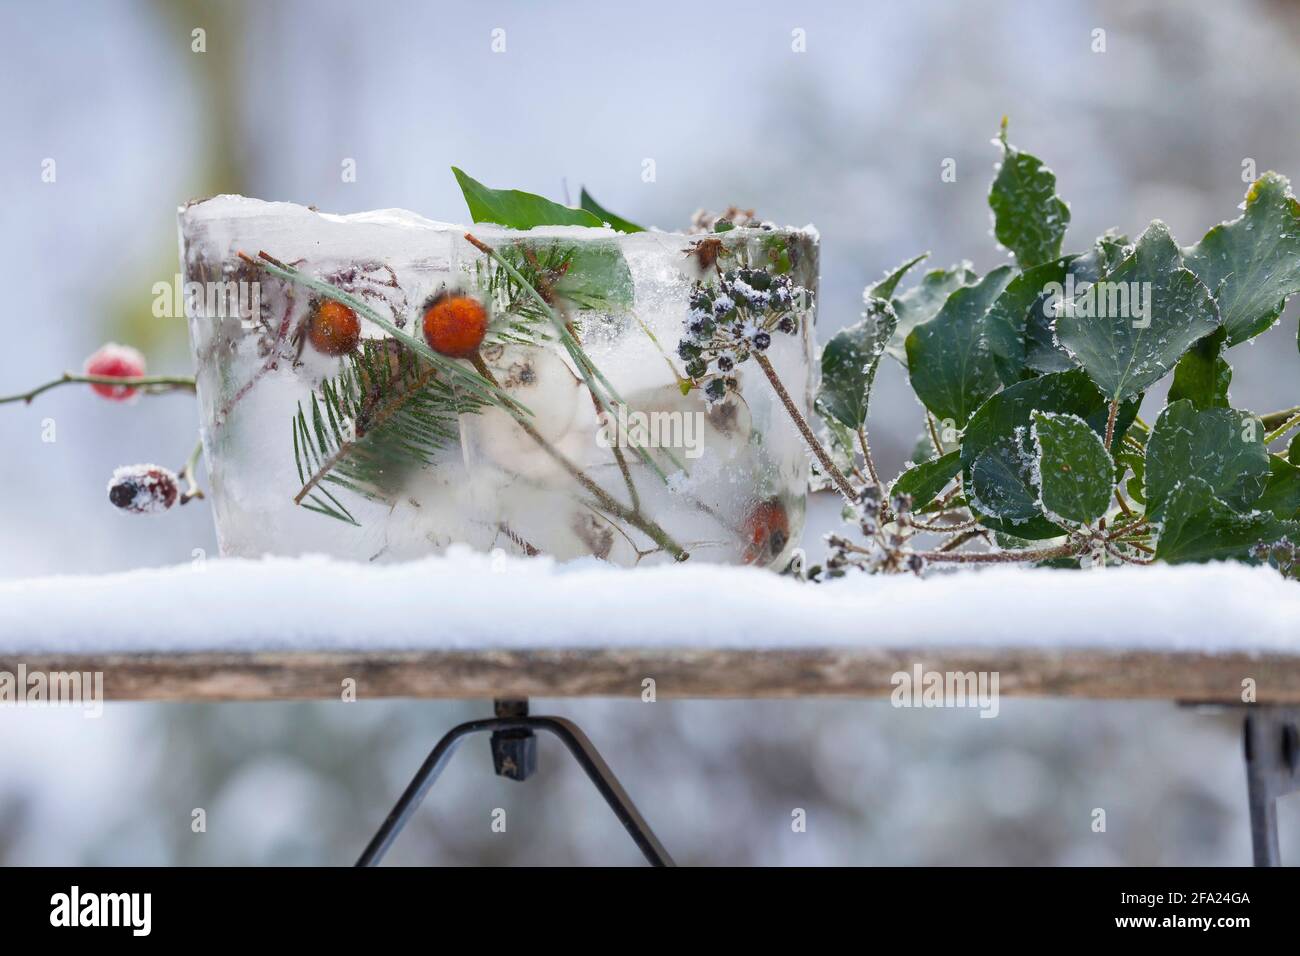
x=116 y=361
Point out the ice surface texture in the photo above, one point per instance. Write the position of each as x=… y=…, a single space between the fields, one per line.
x=316 y=603
x=452 y=473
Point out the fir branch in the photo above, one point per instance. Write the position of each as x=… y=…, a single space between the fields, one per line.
x=383 y=411
x=456 y=373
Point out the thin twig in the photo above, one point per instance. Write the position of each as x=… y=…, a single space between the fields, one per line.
x=934 y=433
x=192 y=489
x=621 y=459
x=147 y=384
x=1110 y=423
x=607 y=502
x=866 y=455
x=1000 y=557
x=960 y=525
x=955 y=542
x=1120 y=531
x=1128 y=558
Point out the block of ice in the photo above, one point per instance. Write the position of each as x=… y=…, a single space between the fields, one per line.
x=325 y=430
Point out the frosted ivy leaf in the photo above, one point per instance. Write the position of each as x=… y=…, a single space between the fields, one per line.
x=1126 y=353
x=948 y=358
x=1016 y=315
x=884 y=288
x=1068 y=392
x=1282 y=493
x=1202 y=375
x=1223 y=447
x=1028 y=217
x=849 y=363
x=923 y=482
x=1075 y=474
x=1198 y=526
x=1002 y=482
x=1042 y=352
x=922 y=302
x=1252 y=264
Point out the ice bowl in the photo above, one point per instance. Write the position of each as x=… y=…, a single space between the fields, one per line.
x=593 y=418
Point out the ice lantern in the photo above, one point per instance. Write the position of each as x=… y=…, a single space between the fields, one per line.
x=575 y=431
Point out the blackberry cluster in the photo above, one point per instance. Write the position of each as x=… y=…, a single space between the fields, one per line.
x=734 y=318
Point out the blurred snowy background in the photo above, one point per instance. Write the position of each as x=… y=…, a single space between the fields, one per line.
x=849 y=135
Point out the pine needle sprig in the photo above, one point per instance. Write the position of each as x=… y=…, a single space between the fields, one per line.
x=509 y=291
x=461 y=376
x=383 y=414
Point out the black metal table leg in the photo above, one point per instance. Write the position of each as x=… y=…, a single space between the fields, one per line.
x=1272 y=746
x=514 y=756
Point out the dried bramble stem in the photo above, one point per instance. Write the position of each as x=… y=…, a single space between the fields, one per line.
x=622 y=462
x=632 y=516
x=962 y=524
x=801 y=423
x=547 y=290
x=1128 y=558
x=1110 y=423
x=956 y=542
x=866 y=455
x=1001 y=557
x=147 y=384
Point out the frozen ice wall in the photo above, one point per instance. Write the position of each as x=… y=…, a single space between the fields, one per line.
x=601 y=446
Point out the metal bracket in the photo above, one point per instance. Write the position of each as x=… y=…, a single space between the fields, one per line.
x=514 y=752
x=1272 y=745
x=514 y=756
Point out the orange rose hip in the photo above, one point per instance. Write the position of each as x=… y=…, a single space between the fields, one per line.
x=454 y=325
x=334 y=328
x=767 y=532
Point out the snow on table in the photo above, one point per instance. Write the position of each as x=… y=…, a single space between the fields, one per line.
x=477 y=625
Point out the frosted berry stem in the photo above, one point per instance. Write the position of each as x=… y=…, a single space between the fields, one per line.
x=801 y=423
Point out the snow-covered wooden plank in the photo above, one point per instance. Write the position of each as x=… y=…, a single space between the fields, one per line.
x=677 y=673
x=469 y=625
